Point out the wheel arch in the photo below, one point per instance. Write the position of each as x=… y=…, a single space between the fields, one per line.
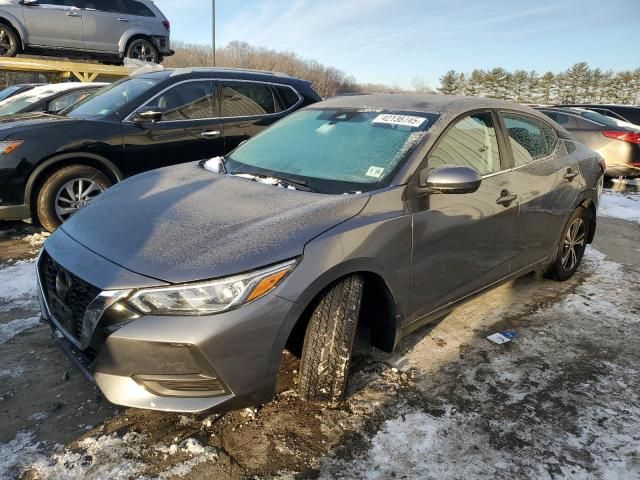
x=129 y=37
x=379 y=312
x=39 y=175
x=14 y=24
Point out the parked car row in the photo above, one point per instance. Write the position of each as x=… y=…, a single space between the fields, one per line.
x=137 y=124
x=616 y=140
x=97 y=29
x=48 y=98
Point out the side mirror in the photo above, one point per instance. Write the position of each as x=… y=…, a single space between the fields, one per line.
x=148 y=115
x=450 y=179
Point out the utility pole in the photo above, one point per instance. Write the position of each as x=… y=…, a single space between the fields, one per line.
x=213 y=30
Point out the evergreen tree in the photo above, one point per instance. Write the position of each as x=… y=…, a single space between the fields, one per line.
x=449 y=83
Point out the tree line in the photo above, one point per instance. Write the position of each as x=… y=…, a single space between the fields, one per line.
x=327 y=81
x=578 y=84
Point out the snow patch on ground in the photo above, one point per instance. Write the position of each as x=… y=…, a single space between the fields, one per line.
x=18 y=286
x=13 y=372
x=516 y=411
x=16 y=327
x=625 y=206
x=106 y=457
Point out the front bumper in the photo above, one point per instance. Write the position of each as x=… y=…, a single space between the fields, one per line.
x=137 y=363
x=14 y=212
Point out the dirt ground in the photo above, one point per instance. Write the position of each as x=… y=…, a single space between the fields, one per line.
x=560 y=401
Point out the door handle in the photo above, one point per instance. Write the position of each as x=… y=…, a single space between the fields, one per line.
x=570 y=175
x=211 y=134
x=506 y=198
x=123 y=19
x=73 y=14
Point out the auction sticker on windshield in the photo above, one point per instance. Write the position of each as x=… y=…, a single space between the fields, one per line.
x=403 y=120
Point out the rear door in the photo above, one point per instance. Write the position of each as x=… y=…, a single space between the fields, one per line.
x=464 y=242
x=190 y=128
x=105 y=22
x=247 y=108
x=546 y=180
x=54 y=23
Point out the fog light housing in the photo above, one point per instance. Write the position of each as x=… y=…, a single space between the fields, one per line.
x=191 y=386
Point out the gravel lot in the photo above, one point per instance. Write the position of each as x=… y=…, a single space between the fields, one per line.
x=561 y=401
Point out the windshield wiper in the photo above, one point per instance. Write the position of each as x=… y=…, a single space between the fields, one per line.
x=285 y=181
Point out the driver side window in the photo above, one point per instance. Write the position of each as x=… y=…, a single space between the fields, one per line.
x=187 y=101
x=471 y=142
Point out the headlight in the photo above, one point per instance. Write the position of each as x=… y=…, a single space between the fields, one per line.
x=210 y=297
x=9 y=146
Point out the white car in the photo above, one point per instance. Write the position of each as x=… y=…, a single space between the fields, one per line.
x=48 y=98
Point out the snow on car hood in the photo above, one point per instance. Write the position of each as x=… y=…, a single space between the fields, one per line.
x=183 y=223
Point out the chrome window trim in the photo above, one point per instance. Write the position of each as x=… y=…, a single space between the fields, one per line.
x=128 y=118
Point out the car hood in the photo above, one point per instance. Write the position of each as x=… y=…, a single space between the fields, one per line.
x=31 y=121
x=183 y=223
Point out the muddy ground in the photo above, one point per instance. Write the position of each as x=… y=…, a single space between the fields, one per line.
x=561 y=401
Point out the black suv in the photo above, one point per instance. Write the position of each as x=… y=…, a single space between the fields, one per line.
x=52 y=165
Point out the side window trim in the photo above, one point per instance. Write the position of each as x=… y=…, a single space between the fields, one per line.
x=129 y=118
x=216 y=85
x=551 y=148
x=498 y=130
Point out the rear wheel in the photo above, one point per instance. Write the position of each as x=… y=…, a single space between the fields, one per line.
x=326 y=354
x=572 y=246
x=143 y=49
x=9 y=41
x=66 y=191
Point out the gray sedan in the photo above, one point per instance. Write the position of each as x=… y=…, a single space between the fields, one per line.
x=179 y=288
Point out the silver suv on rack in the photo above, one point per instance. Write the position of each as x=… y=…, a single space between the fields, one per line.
x=98 y=29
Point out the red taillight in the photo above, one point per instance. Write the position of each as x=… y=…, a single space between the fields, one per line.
x=629 y=137
x=167 y=24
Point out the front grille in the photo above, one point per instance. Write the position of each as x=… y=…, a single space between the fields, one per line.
x=68 y=305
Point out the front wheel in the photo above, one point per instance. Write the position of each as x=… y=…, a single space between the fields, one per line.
x=67 y=191
x=326 y=354
x=572 y=246
x=143 y=49
x=9 y=42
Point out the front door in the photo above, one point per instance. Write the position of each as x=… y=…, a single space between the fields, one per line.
x=54 y=23
x=105 y=22
x=464 y=242
x=190 y=128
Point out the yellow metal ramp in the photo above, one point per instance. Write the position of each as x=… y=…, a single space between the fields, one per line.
x=84 y=72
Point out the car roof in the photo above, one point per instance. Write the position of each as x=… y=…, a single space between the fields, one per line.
x=239 y=73
x=426 y=103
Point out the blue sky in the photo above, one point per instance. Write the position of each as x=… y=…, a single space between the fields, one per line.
x=392 y=41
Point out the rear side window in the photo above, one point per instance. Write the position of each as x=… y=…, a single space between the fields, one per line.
x=288 y=97
x=62 y=3
x=186 y=101
x=66 y=101
x=530 y=139
x=245 y=99
x=471 y=142
x=134 y=7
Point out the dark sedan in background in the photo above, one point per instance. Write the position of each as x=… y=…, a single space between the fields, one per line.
x=626 y=113
x=617 y=141
x=179 y=288
x=53 y=165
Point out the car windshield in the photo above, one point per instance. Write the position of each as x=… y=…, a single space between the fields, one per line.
x=333 y=151
x=7 y=92
x=604 y=120
x=112 y=98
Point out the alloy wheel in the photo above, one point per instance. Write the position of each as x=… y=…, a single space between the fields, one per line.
x=6 y=42
x=142 y=51
x=574 y=243
x=74 y=195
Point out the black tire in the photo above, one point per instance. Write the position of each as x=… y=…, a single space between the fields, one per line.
x=568 y=257
x=51 y=194
x=143 y=49
x=328 y=342
x=9 y=41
